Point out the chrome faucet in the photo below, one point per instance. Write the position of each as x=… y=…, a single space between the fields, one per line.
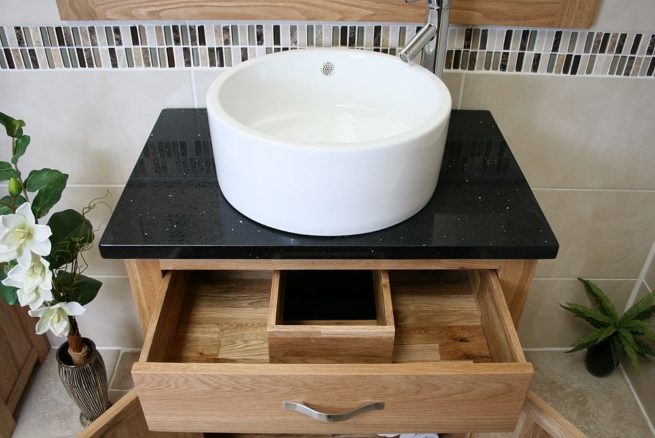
x=430 y=41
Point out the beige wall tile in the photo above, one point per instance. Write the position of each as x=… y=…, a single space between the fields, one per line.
x=650 y=274
x=643 y=380
x=621 y=15
x=202 y=79
x=571 y=132
x=544 y=324
x=111 y=319
x=90 y=124
x=31 y=12
x=602 y=234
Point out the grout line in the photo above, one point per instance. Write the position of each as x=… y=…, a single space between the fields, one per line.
x=548 y=349
x=638 y=400
x=641 y=278
x=110 y=381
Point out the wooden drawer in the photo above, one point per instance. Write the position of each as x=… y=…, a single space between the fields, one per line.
x=317 y=317
x=457 y=363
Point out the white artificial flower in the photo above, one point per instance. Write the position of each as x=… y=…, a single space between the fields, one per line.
x=34 y=282
x=20 y=235
x=55 y=318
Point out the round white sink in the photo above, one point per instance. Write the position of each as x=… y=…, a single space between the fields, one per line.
x=328 y=142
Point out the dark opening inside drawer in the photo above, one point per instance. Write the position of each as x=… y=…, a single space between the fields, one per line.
x=328 y=297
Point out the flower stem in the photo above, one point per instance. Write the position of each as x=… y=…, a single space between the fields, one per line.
x=77 y=349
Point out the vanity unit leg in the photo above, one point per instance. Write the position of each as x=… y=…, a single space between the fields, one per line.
x=145 y=280
x=515 y=278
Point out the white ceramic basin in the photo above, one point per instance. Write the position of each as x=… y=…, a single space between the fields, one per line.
x=328 y=142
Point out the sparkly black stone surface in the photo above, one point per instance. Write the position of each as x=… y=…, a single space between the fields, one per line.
x=172 y=206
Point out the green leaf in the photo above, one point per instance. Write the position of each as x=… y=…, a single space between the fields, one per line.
x=7 y=171
x=49 y=183
x=592 y=316
x=77 y=287
x=644 y=348
x=71 y=232
x=639 y=328
x=630 y=347
x=618 y=352
x=8 y=293
x=21 y=146
x=643 y=309
x=13 y=126
x=592 y=338
x=7 y=201
x=603 y=300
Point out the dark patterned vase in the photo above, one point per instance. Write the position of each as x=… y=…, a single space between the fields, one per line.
x=86 y=384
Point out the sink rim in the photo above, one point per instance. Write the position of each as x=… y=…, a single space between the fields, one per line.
x=440 y=114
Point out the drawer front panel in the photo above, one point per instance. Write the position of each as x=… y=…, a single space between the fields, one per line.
x=428 y=397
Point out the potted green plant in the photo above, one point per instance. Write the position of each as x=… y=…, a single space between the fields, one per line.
x=614 y=336
x=41 y=266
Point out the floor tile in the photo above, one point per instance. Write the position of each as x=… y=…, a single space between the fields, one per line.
x=600 y=407
x=122 y=380
x=46 y=410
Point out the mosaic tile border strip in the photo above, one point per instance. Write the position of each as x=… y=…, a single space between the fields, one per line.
x=216 y=45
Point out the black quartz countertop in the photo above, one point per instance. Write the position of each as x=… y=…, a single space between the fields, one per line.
x=173 y=208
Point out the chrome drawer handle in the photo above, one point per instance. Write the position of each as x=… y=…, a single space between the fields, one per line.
x=331 y=418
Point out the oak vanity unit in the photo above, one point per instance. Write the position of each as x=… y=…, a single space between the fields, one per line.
x=234 y=342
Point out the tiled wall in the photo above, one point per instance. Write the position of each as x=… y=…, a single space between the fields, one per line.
x=216 y=45
x=579 y=120
x=643 y=380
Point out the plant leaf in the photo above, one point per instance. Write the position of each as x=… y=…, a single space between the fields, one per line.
x=77 y=287
x=21 y=146
x=630 y=347
x=49 y=183
x=13 y=126
x=642 y=309
x=592 y=338
x=592 y=316
x=618 y=352
x=644 y=349
x=8 y=293
x=7 y=171
x=603 y=300
x=71 y=232
x=7 y=201
x=639 y=328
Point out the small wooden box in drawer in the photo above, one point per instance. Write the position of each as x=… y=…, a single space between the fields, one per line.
x=330 y=317
x=457 y=362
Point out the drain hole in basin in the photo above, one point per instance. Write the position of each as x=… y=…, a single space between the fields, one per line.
x=327 y=69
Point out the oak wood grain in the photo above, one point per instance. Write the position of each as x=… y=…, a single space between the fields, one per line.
x=344 y=342
x=125 y=419
x=548 y=419
x=549 y=13
x=248 y=397
x=145 y=278
x=515 y=277
x=216 y=376
x=504 y=344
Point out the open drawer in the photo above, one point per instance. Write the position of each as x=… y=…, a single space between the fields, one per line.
x=457 y=362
